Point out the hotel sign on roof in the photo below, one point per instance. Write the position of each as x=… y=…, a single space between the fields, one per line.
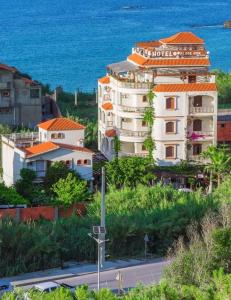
x=175 y=53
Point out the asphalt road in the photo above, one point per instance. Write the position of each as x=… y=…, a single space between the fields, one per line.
x=146 y=274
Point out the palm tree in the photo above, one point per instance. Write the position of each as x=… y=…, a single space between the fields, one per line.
x=219 y=163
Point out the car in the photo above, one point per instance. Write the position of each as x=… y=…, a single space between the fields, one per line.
x=67 y=286
x=5 y=287
x=43 y=287
x=185 y=190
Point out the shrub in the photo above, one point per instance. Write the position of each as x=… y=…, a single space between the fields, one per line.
x=70 y=190
x=8 y=195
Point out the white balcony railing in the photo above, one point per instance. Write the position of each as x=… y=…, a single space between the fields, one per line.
x=202 y=110
x=125 y=108
x=131 y=133
x=123 y=153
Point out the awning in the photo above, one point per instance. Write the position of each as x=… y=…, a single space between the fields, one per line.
x=122 y=67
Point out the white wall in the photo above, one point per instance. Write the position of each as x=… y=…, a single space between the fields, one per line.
x=72 y=137
x=85 y=171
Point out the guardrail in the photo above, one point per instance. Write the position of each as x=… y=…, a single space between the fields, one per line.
x=202 y=109
x=131 y=133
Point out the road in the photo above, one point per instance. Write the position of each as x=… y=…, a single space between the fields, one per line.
x=146 y=273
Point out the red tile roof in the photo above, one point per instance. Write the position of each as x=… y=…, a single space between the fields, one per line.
x=148 y=44
x=183 y=38
x=75 y=148
x=60 y=124
x=186 y=87
x=40 y=149
x=110 y=133
x=7 y=68
x=104 y=80
x=107 y=106
x=51 y=146
x=169 y=62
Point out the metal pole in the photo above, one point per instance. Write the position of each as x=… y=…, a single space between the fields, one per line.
x=98 y=265
x=102 y=221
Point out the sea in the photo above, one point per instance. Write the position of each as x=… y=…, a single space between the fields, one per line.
x=70 y=42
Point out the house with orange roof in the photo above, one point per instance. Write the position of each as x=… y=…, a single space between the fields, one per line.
x=176 y=70
x=58 y=139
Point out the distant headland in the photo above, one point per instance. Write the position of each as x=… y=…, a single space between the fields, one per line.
x=227 y=24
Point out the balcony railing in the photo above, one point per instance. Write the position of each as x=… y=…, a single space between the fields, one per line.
x=131 y=109
x=16 y=137
x=131 y=133
x=123 y=153
x=200 y=135
x=201 y=110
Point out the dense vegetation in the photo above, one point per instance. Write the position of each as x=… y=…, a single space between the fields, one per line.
x=160 y=211
x=223 y=81
x=200 y=269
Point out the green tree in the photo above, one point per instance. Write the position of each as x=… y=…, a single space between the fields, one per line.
x=9 y=196
x=56 y=171
x=129 y=171
x=219 y=163
x=70 y=190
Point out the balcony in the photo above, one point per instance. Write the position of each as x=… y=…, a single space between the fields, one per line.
x=131 y=133
x=133 y=154
x=201 y=135
x=125 y=108
x=202 y=110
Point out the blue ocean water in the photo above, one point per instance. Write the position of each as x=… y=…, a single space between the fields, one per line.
x=70 y=42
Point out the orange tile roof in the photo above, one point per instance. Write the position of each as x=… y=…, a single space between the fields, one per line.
x=107 y=106
x=183 y=38
x=148 y=44
x=75 y=148
x=104 y=80
x=185 y=87
x=51 y=146
x=110 y=133
x=40 y=149
x=137 y=59
x=169 y=62
x=60 y=124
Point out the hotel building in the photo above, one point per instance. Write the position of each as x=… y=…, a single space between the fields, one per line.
x=176 y=69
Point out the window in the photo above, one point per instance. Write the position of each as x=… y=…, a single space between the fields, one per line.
x=79 y=162
x=170 y=152
x=144 y=98
x=170 y=127
x=5 y=110
x=222 y=125
x=197 y=125
x=197 y=149
x=144 y=124
x=34 y=93
x=59 y=135
x=68 y=163
x=170 y=103
x=192 y=79
x=87 y=161
x=5 y=93
x=197 y=101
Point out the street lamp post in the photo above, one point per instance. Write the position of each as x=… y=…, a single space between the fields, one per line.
x=98 y=230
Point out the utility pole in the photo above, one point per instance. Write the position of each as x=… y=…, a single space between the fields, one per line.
x=76 y=97
x=102 y=220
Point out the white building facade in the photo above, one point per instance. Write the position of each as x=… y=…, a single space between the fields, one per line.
x=59 y=139
x=176 y=69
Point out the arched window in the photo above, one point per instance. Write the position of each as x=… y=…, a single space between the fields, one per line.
x=197 y=125
x=144 y=98
x=170 y=152
x=170 y=103
x=197 y=101
x=61 y=135
x=170 y=127
x=79 y=162
x=53 y=136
